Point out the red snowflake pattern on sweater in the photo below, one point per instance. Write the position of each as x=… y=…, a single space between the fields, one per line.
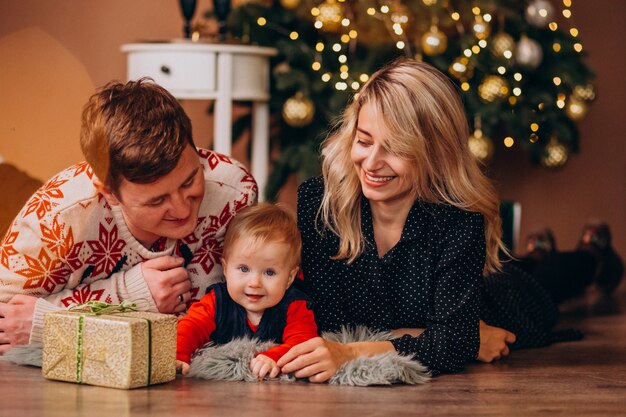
x=208 y=255
x=7 y=248
x=192 y=238
x=82 y=295
x=106 y=251
x=54 y=239
x=62 y=245
x=215 y=158
x=83 y=167
x=44 y=272
x=41 y=203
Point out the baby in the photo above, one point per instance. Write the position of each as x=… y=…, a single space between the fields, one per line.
x=260 y=259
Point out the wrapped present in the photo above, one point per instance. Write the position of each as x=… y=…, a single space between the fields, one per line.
x=126 y=349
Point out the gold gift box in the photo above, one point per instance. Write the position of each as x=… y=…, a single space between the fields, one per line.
x=121 y=350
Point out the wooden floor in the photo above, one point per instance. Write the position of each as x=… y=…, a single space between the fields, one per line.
x=586 y=378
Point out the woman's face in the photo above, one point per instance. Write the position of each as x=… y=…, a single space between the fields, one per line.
x=384 y=177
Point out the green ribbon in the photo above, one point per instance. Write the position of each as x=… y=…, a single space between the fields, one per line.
x=97 y=308
x=79 y=351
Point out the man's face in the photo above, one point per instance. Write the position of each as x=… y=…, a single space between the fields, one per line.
x=167 y=207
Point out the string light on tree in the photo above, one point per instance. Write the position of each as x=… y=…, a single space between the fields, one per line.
x=399 y=15
x=575 y=109
x=481 y=28
x=434 y=42
x=461 y=69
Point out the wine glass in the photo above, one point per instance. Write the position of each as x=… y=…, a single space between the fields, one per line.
x=188 y=7
x=221 y=8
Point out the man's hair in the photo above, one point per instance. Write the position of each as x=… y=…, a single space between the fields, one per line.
x=263 y=223
x=136 y=131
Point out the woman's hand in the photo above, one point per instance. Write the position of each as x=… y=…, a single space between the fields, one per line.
x=264 y=365
x=494 y=342
x=317 y=359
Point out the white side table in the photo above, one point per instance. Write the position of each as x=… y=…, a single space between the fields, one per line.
x=192 y=70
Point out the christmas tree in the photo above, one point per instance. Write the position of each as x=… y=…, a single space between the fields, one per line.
x=518 y=65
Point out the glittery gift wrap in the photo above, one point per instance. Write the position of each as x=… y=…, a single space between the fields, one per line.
x=121 y=350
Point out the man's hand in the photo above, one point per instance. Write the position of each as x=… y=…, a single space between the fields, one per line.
x=264 y=365
x=494 y=342
x=168 y=282
x=16 y=321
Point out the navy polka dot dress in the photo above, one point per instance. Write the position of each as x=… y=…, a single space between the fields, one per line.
x=430 y=279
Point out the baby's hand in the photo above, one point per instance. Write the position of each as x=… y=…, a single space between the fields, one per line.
x=263 y=365
x=182 y=367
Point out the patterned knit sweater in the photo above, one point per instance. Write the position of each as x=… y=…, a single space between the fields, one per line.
x=69 y=246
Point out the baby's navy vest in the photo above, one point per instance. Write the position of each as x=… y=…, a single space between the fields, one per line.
x=231 y=323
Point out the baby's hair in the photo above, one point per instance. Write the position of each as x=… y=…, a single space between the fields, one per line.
x=262 y=223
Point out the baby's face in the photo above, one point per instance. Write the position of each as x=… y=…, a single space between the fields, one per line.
x=257 y=276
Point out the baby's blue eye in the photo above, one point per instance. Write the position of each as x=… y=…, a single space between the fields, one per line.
x=270 y=272
x=244 y=268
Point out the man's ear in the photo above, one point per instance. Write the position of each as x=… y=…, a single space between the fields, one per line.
x=108 y=194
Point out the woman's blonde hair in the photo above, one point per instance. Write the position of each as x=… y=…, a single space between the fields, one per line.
x=426 y=124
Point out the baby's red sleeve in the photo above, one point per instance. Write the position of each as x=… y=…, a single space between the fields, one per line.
x=300 y=327
x=195 y=329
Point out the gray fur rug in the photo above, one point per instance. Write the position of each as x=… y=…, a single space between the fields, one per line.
x=230 y=362
x=24 y=355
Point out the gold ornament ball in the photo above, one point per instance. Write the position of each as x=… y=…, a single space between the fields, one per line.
x=585 y=92
x=298 y=111
x=434 y=42
x=461 y=69
x=290 y=4
x=480 y=146
x=330 y=15
x=493 y=88
x=501 y=43
x=555 y=154
x=575 y=109
x=481 y=29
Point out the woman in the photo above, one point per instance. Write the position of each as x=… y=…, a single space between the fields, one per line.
x=400 y=231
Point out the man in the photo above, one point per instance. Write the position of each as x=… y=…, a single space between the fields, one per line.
x=143 y=219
